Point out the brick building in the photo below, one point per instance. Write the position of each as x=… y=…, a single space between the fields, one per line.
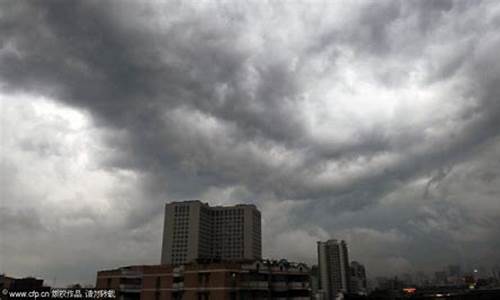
x=262 y=279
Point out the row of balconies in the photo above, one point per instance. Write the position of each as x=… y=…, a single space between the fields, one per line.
x=255 y=284
x=280 y=285
x=246 y=284
x=130 y=288
x=130 y=273
x=289 y=285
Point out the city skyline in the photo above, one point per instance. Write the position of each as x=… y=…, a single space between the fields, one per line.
x=365 y=121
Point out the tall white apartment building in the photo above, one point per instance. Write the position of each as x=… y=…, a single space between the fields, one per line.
x=194 y=230
x=333 y=265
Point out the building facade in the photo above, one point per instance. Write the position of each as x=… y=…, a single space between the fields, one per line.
x=334 y=270
x=194 y=230
x=126 y=281
x=230 y=280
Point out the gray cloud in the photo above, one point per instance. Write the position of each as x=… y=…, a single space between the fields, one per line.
x=361 y=117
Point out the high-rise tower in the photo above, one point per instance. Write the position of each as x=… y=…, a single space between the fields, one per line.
x=333 y=264
x=194 y=230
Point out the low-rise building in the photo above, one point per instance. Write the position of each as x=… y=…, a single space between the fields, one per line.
x=263 y=279
x=27 y=284
x=21 y=284
x=6 y=281
x=127 y=281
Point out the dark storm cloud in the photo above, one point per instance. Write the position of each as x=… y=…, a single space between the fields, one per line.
x=87 y=60
x=132 y=78
x=196 y=98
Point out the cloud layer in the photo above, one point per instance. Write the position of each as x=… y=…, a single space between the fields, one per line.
x=376 y=122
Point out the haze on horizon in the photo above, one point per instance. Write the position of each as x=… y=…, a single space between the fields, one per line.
x=376 y=122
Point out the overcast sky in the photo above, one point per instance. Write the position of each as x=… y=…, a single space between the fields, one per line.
x=377 y=122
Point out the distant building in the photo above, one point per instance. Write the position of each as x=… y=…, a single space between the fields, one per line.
x=454 y=275
x=194 y=230
x=390 y=283
x=407 y=279
x=5 y=281
x=333 y=264
x=440 y=278
x=229 y=280
x=314 y=279
x=26 y=284
x=358 y=279
x=496 y=272
x=421 y=279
